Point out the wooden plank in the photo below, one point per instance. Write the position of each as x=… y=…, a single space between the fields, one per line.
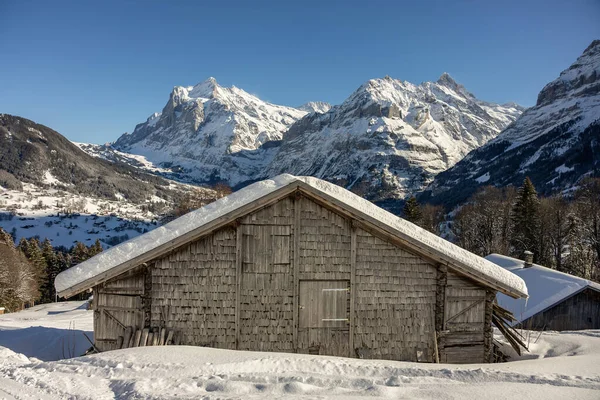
x=155 y=337
x=127 y=337
x=144 y=339
x=238 y=280
x=126 y=291
x=119 y=342
x=137 y=338
x=296 y=268
x=109 y=314
x=169 y=340
x=352 y=288
x=163 y=333
x=150 y=340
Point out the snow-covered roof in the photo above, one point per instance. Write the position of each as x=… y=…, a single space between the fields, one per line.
x=546 y=286
x=106 y=264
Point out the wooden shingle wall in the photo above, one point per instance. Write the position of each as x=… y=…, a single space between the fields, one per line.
x=395 y=302
x=193 y=291
x=267 y=283
x=324 y=243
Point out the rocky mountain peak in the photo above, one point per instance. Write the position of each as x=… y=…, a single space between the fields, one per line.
x=320 y=107
x=581 y=79
x=204 y=89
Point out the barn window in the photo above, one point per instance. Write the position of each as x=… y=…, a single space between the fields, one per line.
x=264 y=247
x=324 y=304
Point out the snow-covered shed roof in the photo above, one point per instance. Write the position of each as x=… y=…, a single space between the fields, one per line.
x=547 y=287
x=148 y=246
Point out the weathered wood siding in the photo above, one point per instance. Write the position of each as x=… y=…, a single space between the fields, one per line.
x=581 y=311
x=193 y=291
x=301 y=276
x=463 y=338
x=324 y=264
x=395 y=301
x=267 y=282
x=117 y=304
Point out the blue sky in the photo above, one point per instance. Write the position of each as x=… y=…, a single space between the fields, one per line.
x=93 y=70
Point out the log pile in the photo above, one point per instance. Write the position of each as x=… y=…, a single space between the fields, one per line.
x=146 y=337
x=503 y=319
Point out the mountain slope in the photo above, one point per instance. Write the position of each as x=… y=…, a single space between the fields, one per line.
x=212 y=132
x=390 y=138
x=33 y=153
x=555 y=143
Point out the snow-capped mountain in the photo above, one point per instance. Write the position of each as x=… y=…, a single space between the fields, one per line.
x=387 y=140
x=212 y=132
x=320 y=107
x=555 y=143
x=390 y=138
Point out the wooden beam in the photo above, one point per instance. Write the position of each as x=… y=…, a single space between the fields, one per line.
x=352 y=288
x=296 y=268
x=238 y=281
x=107 y=313
x=464 y=310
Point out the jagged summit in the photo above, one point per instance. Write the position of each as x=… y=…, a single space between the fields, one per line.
x=445 y=78
x=204 y=89
x=315 y=107
x=203 y=128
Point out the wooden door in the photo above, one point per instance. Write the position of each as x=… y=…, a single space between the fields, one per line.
x=324 y=318
x=464 y=323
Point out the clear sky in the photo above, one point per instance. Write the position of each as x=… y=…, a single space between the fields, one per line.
x=94 y=69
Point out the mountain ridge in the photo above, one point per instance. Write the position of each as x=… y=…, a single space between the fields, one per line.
x=209 y=134
x=553 y=142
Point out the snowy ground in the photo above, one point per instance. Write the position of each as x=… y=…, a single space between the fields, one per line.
x=49 y=331
x=562 y=365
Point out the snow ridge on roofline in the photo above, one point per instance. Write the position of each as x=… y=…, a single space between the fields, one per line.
x=163 y=235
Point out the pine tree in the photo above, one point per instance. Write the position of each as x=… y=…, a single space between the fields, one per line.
x=52 y=270
x=80 y=253
x=412 y=211
x=95 y=248
x=525 y=220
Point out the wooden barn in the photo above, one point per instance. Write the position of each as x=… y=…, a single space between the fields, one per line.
x=295 y=264
x=557 y=301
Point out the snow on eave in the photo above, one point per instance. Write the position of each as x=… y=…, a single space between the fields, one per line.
x=172 y=234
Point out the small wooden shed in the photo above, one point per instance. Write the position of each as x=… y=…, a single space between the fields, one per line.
x=557 y=301
x=295 y=264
